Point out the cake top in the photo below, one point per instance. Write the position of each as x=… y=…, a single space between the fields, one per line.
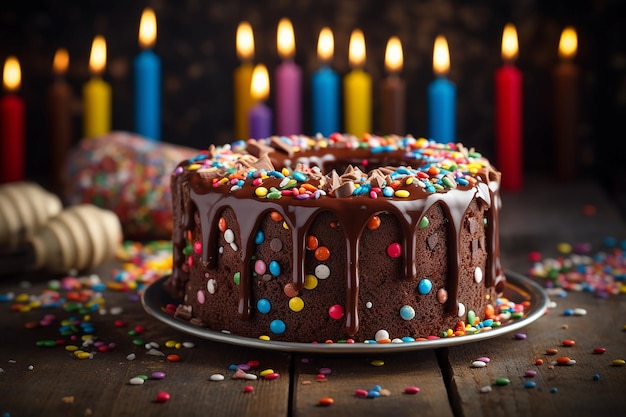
x=294 y=166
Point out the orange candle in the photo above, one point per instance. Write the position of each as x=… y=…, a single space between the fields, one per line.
x=357 y=89
x=393 y=90
x=242 y=80
x=59 y=115
x=12 y=123
x=566 y=107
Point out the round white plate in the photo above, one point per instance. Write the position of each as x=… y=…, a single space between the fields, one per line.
x=517 y=288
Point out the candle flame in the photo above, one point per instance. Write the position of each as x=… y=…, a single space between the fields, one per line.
x=61 y=61
x=325 y=45
x=98 y=56
x=510 y=46
x=441 y=56
x=245 y=41
x=568 y=43
x=12 y=74
x=147 y=28
x=260 y=85
x=393 y=55
x=285 y=40
x=356 y=49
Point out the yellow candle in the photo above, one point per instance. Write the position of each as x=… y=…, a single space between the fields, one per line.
x=242 y=79
x=357 y=89
x=97 y=93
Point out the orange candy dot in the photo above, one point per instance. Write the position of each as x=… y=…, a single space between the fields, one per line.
x=322 y=253
x=276 y=216
x=539 y=362
x=173 y=358
x=311 y=242
x=563 y=360
x=289 y=290
x=373 y=223
x=221 y=224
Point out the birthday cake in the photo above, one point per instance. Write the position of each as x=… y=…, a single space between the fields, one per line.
x=338 y=239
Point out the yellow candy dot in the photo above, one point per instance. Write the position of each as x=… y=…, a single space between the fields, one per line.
x=296 y=304
x=170 y=343
x=193 y=167
x=619 y=362
x=285 y=226
x=377 y=362
x=260 y=191
x=564 y=248
x=310 y=282
x=264 y=337
x=402 y=193
x=266 y=372
x=409 y=181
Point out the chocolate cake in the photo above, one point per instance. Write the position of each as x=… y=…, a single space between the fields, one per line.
x=338 y=239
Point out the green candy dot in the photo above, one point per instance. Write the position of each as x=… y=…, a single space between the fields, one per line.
x=237 y=277
x=424 y=222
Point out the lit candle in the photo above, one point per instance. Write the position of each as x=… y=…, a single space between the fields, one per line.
x=12 y=124
x=59 y=116
x=357 y=89
x=325 y=88
x=566 y=107
x=97 y=93
x=147 y=72
x=242 y=79
x=288 y=83
x=393 y=90
x=260 y=116
x=441 y=96
x=508 y=114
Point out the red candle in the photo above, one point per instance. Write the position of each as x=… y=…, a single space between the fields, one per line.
x=59 y=117
x=11 y=124
x=393 y=91
x=508 y=109
x=566 y=110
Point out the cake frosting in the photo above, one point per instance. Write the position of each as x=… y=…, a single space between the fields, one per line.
x=315 y=239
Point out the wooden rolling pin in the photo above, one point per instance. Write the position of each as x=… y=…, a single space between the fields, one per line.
x=81 y=237
x=24 y=207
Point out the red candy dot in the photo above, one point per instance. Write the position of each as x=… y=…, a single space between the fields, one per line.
x=335 y=312
x=394 y=250
x=534 y=256
x=568 y=342
x=197 y=247
x=163 y=396
x=599 y=350
x=311 y=242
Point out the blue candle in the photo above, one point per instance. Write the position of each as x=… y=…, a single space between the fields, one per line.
x=441 y=97
x=325 y=89
x=147 y=78
x=260 y=116
x=325 y=101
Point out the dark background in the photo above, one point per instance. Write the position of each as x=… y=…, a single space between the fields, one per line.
x=196 y=42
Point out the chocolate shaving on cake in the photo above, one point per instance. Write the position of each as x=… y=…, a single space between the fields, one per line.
x=264 y=162
x=212 y=172
x=279 y=145
x=256 y=148
x=344 y=190
x=183 y=311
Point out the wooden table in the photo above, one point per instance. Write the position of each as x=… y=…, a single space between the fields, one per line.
x=51 y=381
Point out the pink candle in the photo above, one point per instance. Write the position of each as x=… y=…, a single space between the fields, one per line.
x=508 y=109
x=11 y=125
x=288 y=83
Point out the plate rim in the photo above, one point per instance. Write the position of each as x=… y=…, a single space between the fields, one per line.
x=521 y=285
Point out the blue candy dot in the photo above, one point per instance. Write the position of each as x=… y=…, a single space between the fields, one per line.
x=259 y=238
x=277 y=326
x=275 y=268
x=263 y=305
x=424 y=286
x=530 y=384
x=407 y=312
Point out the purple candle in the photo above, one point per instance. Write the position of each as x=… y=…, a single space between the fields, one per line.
x=260 y=116
x=288 y=83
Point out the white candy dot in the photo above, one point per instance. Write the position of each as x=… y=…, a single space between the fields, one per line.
x=131 y=357
x=229 y=236
x=234 y=246
x=478 y=364
x=368 y=304
x=381 y=334
x=461 y=310
x=580 y=311
x=478 y=274
x=210 y=286
x=322 y=271
x=216 y=377
x=136 y=381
